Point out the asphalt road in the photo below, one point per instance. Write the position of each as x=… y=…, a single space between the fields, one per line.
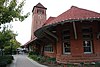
x=24 y=61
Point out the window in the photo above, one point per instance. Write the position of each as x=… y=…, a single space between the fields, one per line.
x=66 y=48
x=48 y=48
x=87 y=33
x=66 y=37
x=40 y=11
x=66 y=41
x=86 y=30
x=87 y=36
x=66 y=31
x=66 y=34
x=87 y=45
x=54 y=31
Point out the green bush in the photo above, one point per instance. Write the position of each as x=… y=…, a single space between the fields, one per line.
x=30 y=53
x=9 y=61
x=41 y=59
x=34 y=57
x=3 y=63
x=97 y=64
x=51 y=60
x=33 y=53
x=4 y=60
x=38 y=58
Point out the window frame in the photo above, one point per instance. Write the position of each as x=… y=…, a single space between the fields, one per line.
x=87 y=32
x=39 y=11
x=66 y=34
x=91 y=47
x=66 y=47
x=48 y=48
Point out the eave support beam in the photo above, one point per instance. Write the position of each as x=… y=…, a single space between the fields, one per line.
x=49 y=38
x=38 y=43
x=74 y=27
x=49 y=33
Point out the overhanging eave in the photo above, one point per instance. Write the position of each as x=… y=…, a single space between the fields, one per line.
x=40 y=32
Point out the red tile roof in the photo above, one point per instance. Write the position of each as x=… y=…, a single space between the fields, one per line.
x=30 y=41
x=49 y=20
x=75 y=13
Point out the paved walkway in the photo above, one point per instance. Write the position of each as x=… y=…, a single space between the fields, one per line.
x=24 y=61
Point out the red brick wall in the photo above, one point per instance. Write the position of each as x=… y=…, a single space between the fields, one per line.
x=77 y=53
x=76 y=44
x=59 y=43
x=96 y=41
x=37 y=22
x=51 y=54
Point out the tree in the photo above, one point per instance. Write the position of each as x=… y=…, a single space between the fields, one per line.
x=9 y=49
x=10 y=10
x=5 y=36
x=8 y=41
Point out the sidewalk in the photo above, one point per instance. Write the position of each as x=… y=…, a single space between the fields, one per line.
x=24 y=61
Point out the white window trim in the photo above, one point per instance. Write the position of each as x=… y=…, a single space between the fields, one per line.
x=91 y=48
x=49 y=51
x=64 y=50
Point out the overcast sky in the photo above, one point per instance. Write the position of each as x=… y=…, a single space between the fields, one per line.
x=54 y=8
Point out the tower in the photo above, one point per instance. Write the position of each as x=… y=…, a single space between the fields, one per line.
x=38 y=18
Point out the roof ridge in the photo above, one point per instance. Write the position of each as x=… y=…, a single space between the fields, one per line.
x=39 y=5
x=83 y=9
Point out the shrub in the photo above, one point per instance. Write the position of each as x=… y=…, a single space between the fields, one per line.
x=30 y=53
x=51 y=60
x=4 y=60
x=9 y=61
x=33 y=53
x=41 y=59
x=97 y=64
x=38 y=58
x=34 y=57
x=3 y=63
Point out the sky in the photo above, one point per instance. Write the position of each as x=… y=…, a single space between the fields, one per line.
x=54 y=8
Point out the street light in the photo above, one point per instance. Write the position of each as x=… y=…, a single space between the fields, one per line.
x=11 y=48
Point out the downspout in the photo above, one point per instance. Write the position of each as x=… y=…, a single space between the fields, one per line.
x=98 y=35
x=74 y=27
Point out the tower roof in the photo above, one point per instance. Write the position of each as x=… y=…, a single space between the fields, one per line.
x=39 y=5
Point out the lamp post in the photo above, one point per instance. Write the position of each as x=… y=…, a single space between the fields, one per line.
x=1 y=51
x=11 y=44
x=11 y=48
